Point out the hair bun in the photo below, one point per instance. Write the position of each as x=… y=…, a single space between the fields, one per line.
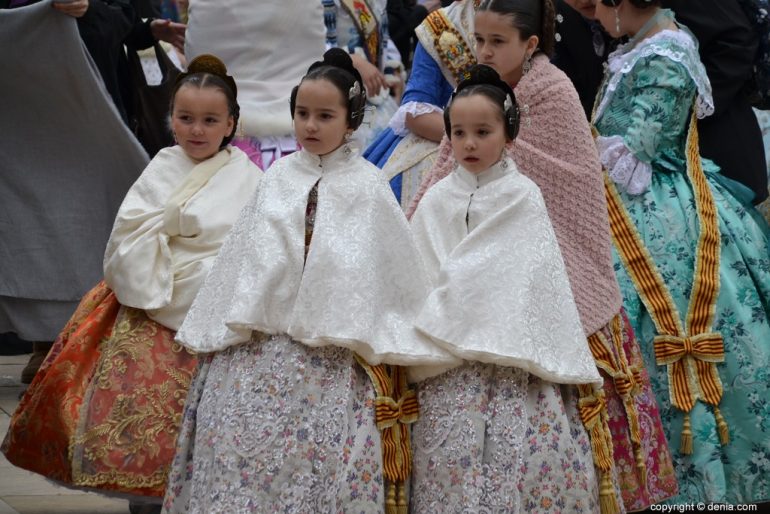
x=483 y=74
x=339 y=58
x=211 y=64
x=207 y=63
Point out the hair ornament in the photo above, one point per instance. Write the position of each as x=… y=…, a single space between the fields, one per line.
x=508 y=104
x=355 y=90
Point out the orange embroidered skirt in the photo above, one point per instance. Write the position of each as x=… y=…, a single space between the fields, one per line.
x=104 y=410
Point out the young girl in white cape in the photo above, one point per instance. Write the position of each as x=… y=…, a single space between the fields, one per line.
x=501 y=432
x=104 y=411
x=320 y=271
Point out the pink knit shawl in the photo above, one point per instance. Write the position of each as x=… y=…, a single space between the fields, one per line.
x=555 y=149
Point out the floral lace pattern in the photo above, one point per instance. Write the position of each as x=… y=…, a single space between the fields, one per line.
x=275 y=426
x=628 y=172
x=496 y=439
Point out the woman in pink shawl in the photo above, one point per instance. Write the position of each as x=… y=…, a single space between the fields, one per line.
x=555 y=149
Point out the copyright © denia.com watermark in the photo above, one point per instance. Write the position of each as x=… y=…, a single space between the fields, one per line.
x=704 y=507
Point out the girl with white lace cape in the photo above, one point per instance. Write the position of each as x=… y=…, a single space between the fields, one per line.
x=319 y=279
x=503 y=422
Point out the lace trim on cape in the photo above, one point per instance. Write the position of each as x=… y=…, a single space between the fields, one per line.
x=683 y=51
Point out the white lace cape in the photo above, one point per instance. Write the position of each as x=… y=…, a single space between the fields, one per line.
x=360 y=287
x=501 y=293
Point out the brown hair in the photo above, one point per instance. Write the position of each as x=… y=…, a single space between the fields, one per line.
x=208 y=71
x=530 y=18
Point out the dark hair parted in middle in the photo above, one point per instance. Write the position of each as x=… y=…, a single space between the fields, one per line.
x=208 y=71
x=484 y=80
x=337 y=68
x=530 y=18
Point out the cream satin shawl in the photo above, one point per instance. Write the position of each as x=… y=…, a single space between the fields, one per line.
x=360 y=288
x=170 y=227
x=501 y=293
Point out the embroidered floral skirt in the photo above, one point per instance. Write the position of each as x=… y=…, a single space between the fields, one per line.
x=276 y=426
x=738 y=472
x=104 y=410
x=496 y=439
x=643 y=469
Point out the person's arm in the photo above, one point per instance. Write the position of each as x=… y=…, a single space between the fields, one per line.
x=426 y=94
x=659 y=99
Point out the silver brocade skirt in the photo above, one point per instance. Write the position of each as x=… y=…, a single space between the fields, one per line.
x=494 y=439
x=276 y=426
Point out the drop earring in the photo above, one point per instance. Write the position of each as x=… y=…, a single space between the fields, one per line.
x=617 y=21
x=527 y=64
x=346 y=144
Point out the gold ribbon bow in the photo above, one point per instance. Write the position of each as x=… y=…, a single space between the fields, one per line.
x=690 y=352
x=395 y=408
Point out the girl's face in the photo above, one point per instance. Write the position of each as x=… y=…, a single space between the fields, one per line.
x=585 y=7
x=499 y=45
x=320 y=116
x=477 y=132
x=200 y=121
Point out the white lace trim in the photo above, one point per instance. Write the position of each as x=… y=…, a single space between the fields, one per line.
x=398 y=121
x=622 y=61
x=628 y=172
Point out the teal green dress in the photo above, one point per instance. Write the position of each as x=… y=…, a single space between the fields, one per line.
x=642 y=117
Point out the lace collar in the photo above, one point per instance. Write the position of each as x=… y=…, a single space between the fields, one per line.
x=678 y=45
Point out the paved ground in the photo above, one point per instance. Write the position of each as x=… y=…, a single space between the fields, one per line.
x=22 y=492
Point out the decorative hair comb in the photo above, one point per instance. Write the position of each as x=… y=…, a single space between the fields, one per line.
x=508 y=104
x=355 y=90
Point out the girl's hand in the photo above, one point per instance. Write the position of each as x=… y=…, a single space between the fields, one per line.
x=373 y=79
x=74 y=8
x=170 y=32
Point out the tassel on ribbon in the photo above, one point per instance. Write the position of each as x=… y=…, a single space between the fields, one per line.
x=627 y=379
x=593 y=413
x=395 y=408
x=691 y=351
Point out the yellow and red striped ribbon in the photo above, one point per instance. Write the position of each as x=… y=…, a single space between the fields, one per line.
x=690 y=355
x=395 y=408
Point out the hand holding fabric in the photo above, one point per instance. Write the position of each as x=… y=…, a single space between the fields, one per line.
x=170 y=32
x=75 y=8
x=373 y=79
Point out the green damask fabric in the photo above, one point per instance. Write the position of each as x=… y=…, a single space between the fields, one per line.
x=650 y=109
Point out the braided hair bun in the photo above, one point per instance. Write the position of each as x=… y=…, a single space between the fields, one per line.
x=484 y=80
x=337 y=67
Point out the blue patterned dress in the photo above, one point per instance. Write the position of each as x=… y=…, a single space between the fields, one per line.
x=646 y=104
